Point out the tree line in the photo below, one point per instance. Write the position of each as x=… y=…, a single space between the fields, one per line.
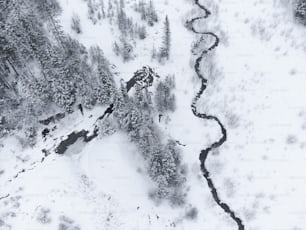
x=44 y=70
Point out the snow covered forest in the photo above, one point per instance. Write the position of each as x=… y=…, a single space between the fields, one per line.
x=152 y=114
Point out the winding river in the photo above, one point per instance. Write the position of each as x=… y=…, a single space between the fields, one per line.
x=204 y=153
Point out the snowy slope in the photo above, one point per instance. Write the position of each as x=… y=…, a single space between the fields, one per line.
x=259 y=96
x=103 y=185
x=256 y=88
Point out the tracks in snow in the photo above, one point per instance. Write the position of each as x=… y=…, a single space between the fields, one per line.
x=204 y=153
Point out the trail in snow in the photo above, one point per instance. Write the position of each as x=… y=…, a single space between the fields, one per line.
x=204 y=153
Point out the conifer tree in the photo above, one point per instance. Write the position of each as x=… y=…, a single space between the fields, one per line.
x=110 y=11
x=164 y=98
x=105 y=88
x=76 y=24
x=122 y=21
x=300 y=11
x=142 y=32
x=154 y=53
x=166 y=41
x=103 y=14
x=142 y=10
x=151 y=14
x=122 y=4
x=116 y=48
x=126 y=49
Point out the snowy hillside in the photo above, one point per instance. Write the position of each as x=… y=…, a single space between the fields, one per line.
x=139 y=114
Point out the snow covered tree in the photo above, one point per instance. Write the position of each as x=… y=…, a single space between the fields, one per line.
x=110 y=11
x=142 y=10
x=139 y=97
x=97 y=57
x=102 y=9
x=300 y=11
x=106 y=128
x=73 y=67
x=154 y=53
x=76 y=24
x=126 y=50
x=151 y=14
x=142 y=32
x=41 y=67
x=104 y=90
x=148 y=138
x=122 y=21
x=132 y=120
x=164 y=98
x=122 y=4
x=142 y=99
x=31 y=136
x=164 y=169
x=48 y=10
x=91 y=11
x=63 y=93
x=128 y=114
x=120 y=101
x=116 y=48
x=147 y=12
x=173 y=159
x=166 y=41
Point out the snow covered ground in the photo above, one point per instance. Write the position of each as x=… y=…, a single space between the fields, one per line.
x=256 y=89
x=259 y=96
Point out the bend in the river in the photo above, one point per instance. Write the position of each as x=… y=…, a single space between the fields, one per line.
x=204 y=153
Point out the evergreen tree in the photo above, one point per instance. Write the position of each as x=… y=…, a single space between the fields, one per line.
x=139 y=98
x=31 y=38
x=148 y=138
x=120 y=102
x=47 y=9
x=103 y=14
x=166 y=41
x=154 y=53
x=92 y=8
x=300 y=12
x=116 y=48
x=164 y=166
x=122 y=4
x=126 y=50
x=110 y=11
x=105 y=88
x=142 y=10
x=142 y=99
x=142 y=32
x=151 y=14
x=130 y=28
x=63 y=93
x=122 y=21
x=173 y=161
x=76 y=24
x=106 y=128
x=164 y=98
